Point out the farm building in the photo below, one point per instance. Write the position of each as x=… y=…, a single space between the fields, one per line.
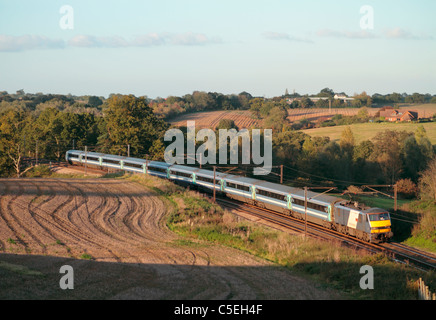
x=393 y=115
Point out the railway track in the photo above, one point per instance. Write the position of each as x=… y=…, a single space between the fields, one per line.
x=395 y=251
x=409 y=255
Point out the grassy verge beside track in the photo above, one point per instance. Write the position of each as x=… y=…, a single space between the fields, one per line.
x=199 y=220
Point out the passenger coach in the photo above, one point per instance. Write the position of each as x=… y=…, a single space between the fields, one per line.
x=369 y=224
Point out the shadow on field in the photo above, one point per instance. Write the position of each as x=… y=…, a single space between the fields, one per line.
x=33 y=277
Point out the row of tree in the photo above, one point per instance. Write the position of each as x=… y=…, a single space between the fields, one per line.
x=387 y=158
x=362 y=99
x=49 y=132
x=199 y=101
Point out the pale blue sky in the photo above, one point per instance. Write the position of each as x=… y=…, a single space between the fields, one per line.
x=162 y=48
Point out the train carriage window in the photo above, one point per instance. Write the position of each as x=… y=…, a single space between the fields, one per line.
x=299 y=202
x=156 y=169
x=238 y=186
x=117 y=162
x=133 y=165
x=209 y=180
x=181 y=174
x=317 y=207
x=271 y=194
x=231 y=185
x=73 y=155
x=243 y=188
x=91 y=159
x=311 y=205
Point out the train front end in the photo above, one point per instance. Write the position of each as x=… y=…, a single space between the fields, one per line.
x=380 y=225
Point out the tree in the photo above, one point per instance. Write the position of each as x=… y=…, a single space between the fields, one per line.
x=363 y=150
x=363 y=168
x=362 y=99
x=157 y=150
x=407 y=188
x=387 y=153
x=417 y=152
x=363 y=114
x=244 y=100
x=287 y=146
x=202 y=101
x=82 y=128
x=305 y=102
x=276 y=119
x=414 y=160
x=255 y=106
x=332 y=162
x=46 y=131
x=13 y=141
x=427 y=182
x=130 y=121
x=347 y=141
x=424 y=142
x=94 y=101
x=326 y=92
x=226 y=124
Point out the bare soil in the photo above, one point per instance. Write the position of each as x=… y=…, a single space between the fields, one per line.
x=113 y=234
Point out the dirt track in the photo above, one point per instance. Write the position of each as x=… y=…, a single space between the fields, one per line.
x=47 y=223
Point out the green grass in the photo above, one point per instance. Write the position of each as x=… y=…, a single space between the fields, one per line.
x=367 y=131
x=382 y=202
x=423 y=235
x=86 y=256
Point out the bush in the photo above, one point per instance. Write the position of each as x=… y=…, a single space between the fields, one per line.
x=38 y=172
x=427 y=182
x=407 y=188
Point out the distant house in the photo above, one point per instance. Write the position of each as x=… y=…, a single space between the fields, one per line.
x=392 y=115
x=409 y=116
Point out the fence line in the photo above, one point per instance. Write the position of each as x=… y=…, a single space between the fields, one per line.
x=423 y=292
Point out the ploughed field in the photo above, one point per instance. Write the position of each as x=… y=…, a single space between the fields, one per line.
x=113 y=234
x=210 y=119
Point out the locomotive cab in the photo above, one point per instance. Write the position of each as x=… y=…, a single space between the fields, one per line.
x=379 y=224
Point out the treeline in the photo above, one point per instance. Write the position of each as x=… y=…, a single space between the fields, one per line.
x=387 y=158
x=48 y=131
x=49 y=128
x=199 y=101
x=359 y=100
x=274 y=114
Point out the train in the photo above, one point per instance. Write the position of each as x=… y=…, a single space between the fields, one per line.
x=347 y=217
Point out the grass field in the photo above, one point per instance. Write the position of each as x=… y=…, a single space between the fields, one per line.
x=367 y=131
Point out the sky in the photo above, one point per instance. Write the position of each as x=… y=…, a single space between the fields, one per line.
x=174 y=47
